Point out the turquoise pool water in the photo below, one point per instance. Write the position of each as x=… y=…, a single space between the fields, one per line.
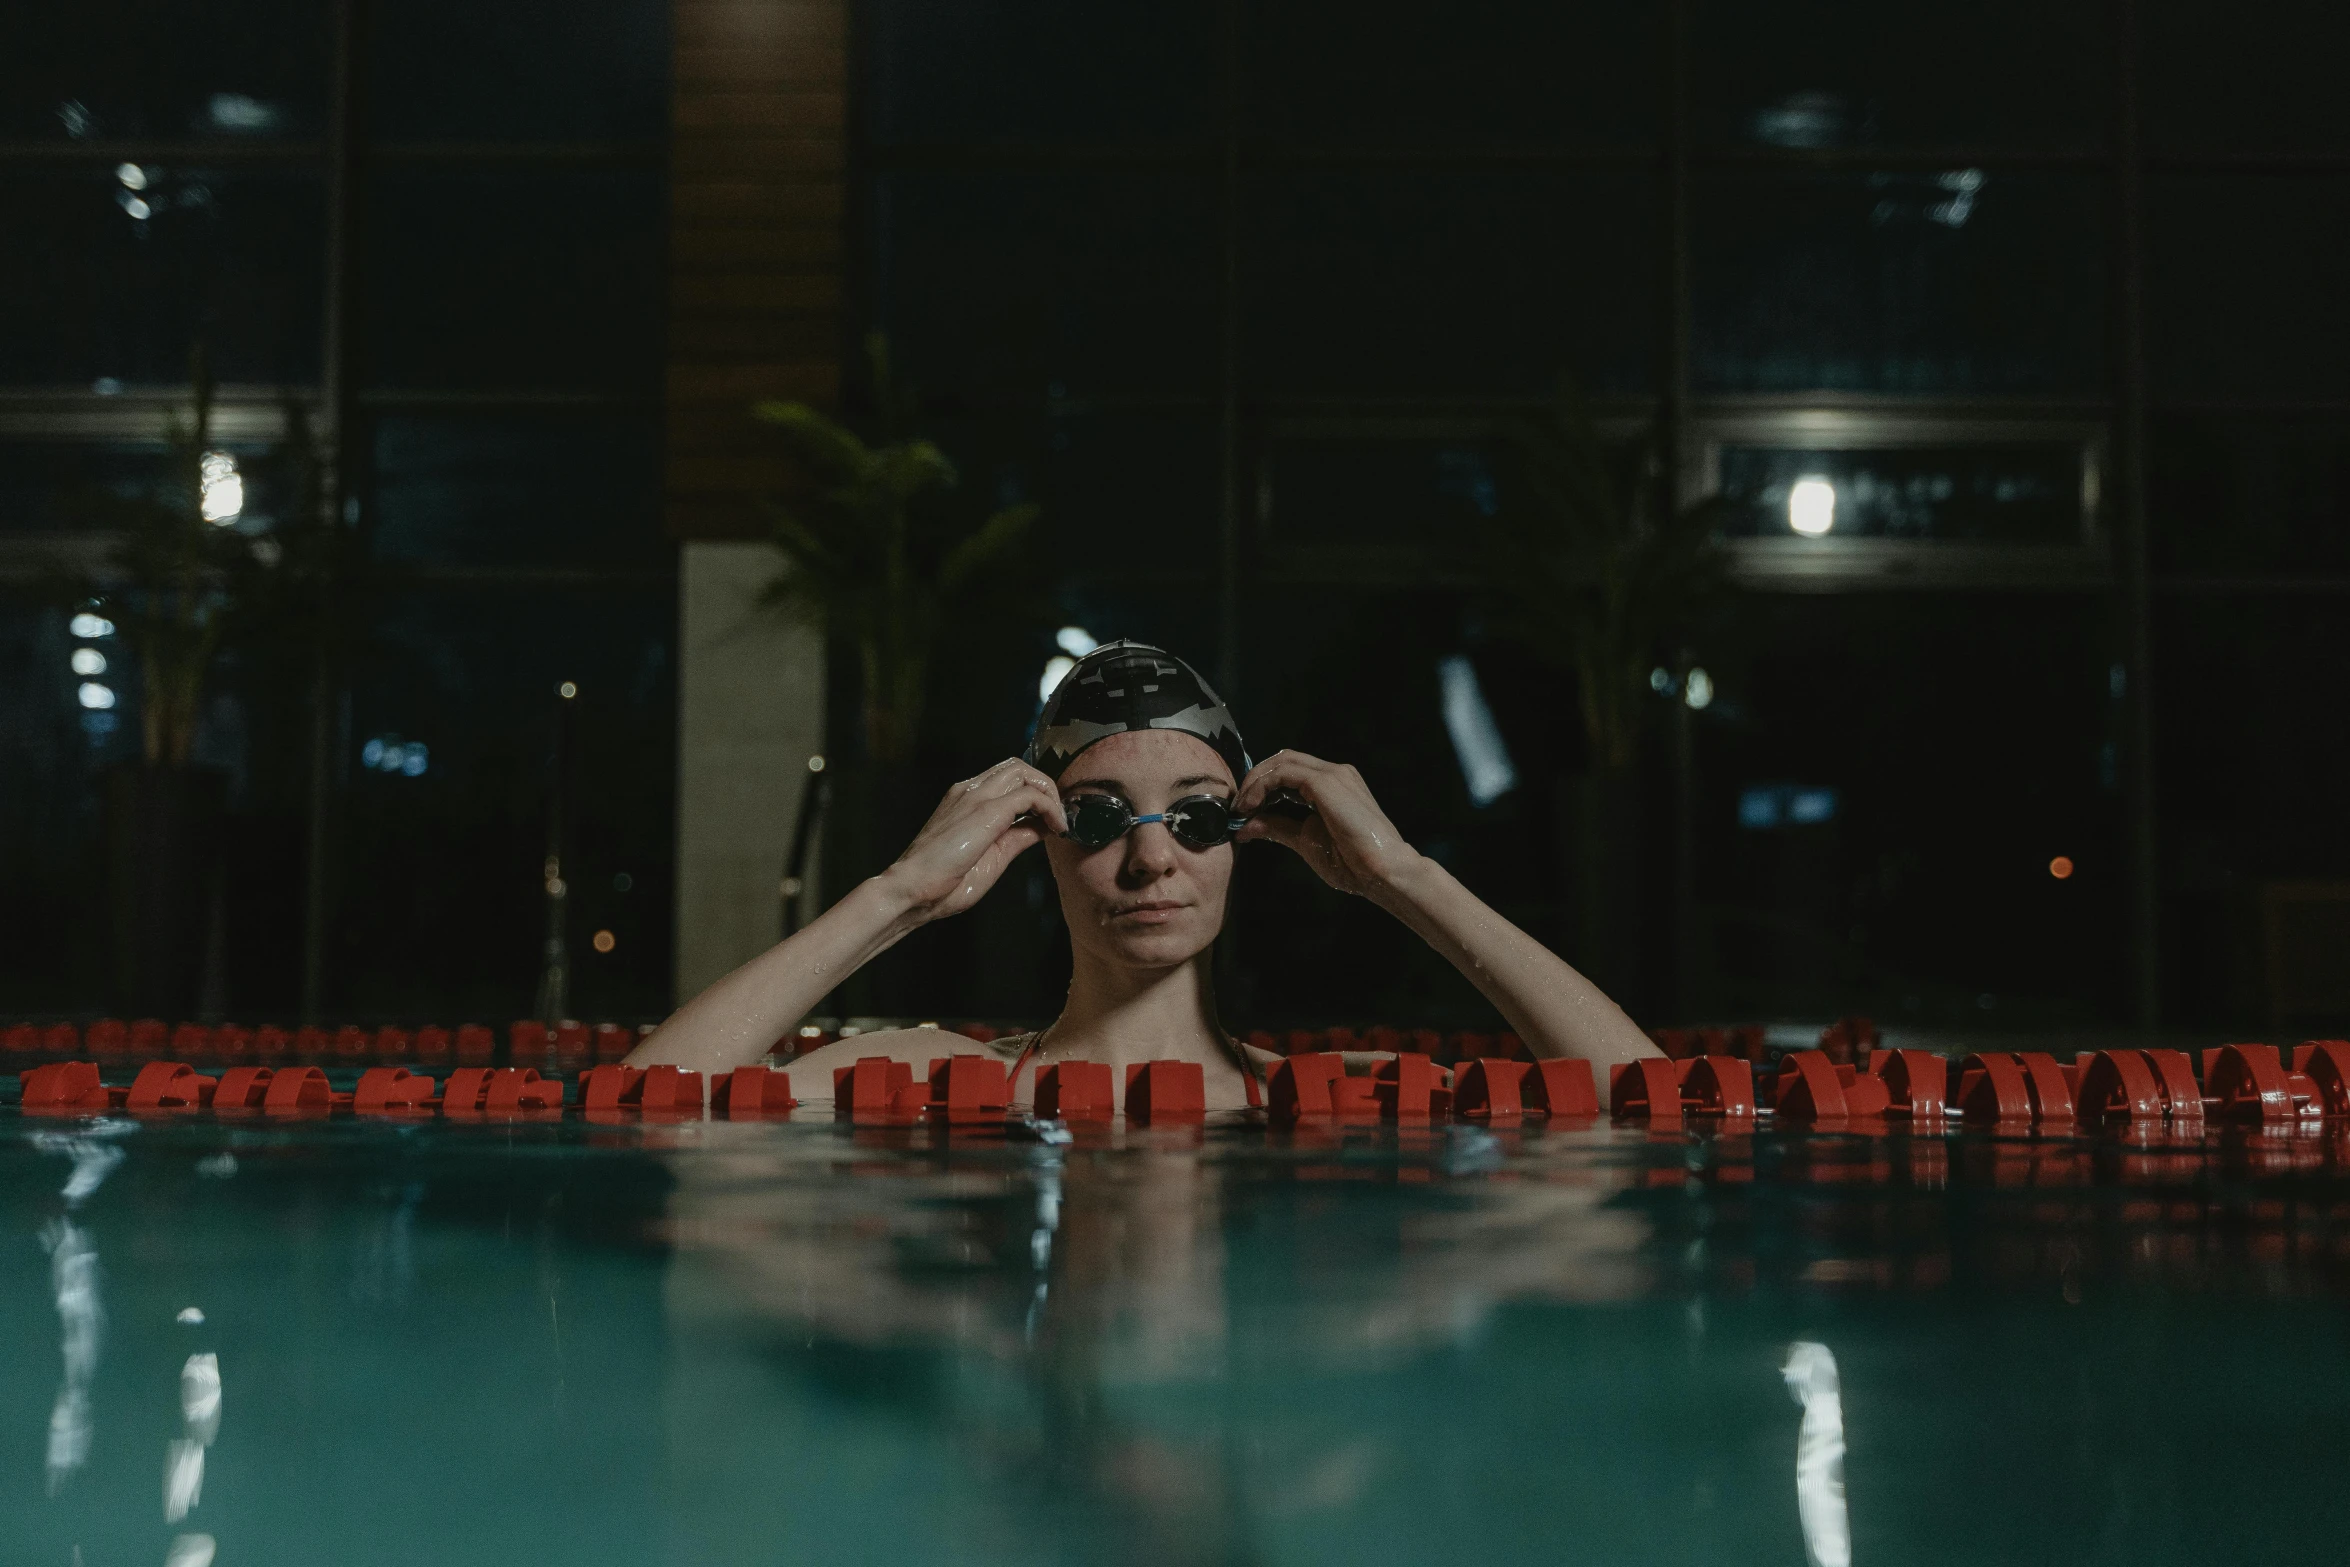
x=802 y=1342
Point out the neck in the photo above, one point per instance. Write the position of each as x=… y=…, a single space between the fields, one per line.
x=1120 y=1014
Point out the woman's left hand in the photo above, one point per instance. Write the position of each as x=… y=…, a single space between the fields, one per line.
x=1346 y=838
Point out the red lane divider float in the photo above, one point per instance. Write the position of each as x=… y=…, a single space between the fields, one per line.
x=2246 y=1083
x=2240 y=1083
x=571 y=1044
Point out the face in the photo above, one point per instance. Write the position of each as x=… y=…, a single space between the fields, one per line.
x=1145 y=900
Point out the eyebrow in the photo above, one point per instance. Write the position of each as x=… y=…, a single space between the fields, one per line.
x=1112 y=786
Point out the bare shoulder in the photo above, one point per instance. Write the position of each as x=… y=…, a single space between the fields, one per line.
x=811 y=1074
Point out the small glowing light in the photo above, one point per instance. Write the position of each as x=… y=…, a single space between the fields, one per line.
x=815 y=764
x=2061 y=867
x=190 y=1317
x=95 y=696
x=604 y=941
x=88 y=661
x=1056 y=669
x=139 y=211
x=414 y=763
x=1811 y=507
x=224 y=488
x=567 y=690
x=86 y=624
x=132 y=176
x=1698 y=690
x=1660 y=680
x=372 y=754
x=1075 y=641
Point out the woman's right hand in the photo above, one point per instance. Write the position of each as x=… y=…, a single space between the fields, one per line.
x=980 y=828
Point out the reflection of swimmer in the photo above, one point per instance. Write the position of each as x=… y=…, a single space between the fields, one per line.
x=1138 y=786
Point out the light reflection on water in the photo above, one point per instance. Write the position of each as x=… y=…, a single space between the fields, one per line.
x=721 y=1342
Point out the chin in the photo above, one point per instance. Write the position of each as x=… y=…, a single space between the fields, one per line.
x=1162 y=946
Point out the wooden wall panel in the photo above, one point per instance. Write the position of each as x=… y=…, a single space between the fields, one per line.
x=757 y=172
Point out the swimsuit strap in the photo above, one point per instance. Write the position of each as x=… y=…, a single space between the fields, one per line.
x=1248 y=1072
x=1027 y=1049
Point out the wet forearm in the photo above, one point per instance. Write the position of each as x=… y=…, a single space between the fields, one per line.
x=1554 y=1009
x=737 y=1020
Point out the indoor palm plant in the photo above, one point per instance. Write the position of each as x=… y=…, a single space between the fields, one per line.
x=1597 y=573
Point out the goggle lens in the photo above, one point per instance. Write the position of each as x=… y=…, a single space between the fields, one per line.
x=1200 y=821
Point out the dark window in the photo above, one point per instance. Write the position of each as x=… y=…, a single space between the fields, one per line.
x=2251 y=492
x=548 y=279
x=111 y=277
x=164 y=70
x=518 y=70
x=2245 y=295
x=2252 y=757
x=517 y=490
x=1954 y=494
x=1957 y=282
x=1952 y=746
x=1023 y=287
x=1482 y=72
x=1837 y=73
x=444 y=866
x=990 y=70
x=1415 y=492
x=2260 y=78
x=1432 y=286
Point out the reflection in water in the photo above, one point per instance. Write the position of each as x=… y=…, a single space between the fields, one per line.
x=1108 y=1276
x=73 y=1278
x=183 y=1462
x=190 y=1550
x=1819 y=1455
x=73 y=1275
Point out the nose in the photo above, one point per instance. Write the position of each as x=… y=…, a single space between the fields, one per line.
x=1150 y=855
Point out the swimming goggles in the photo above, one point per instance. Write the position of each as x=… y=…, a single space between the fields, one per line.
x=1198 y=821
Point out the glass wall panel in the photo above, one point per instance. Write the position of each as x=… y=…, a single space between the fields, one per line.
x=450 y=767
x=2007 y=494
x=2244 y=296
x=1884 y=784
x=110 y=278
x=561 y=491
x=1483 y=72
x=2253 y=753
x=1958 y=282
x=2246 y=78
x=519 y=70
x=1857 y=73
x=51 y=921
x=1359 y=676
x=164 y=70
x=1023 y=287
x=1062 y=70
x=547 y=279
x=2251 y=492
x=1410 y=285
x=53 y=488
x=1414 y=492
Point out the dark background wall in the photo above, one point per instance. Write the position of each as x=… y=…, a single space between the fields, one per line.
x=1246 y=296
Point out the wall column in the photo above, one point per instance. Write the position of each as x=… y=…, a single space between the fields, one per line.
x=758 y=159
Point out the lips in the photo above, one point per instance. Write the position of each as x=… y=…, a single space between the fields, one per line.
x=1155 y=912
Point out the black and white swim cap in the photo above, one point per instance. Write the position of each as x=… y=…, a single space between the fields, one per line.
x=1130 y=685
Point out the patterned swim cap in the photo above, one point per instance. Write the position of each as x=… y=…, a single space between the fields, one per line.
x=1130 y=685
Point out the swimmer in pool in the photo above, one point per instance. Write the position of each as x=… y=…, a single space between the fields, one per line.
x=1139 y=788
